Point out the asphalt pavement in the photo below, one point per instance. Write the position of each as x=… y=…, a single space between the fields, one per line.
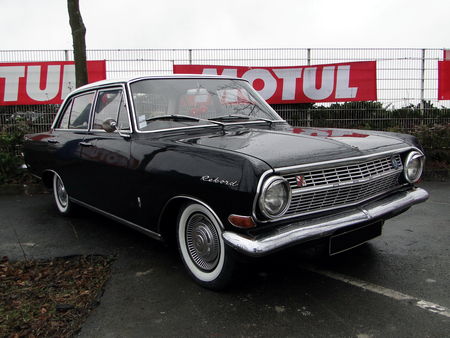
x=397 y=285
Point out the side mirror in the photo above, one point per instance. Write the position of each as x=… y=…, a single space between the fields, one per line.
x=109 y=125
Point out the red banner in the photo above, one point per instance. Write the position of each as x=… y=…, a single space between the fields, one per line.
x=31 y=83
x=340 y=82
x=444 y=80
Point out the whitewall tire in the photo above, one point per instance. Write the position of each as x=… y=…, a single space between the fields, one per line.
x=199 y=236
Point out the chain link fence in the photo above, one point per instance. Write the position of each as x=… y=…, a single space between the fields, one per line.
x=406 y=82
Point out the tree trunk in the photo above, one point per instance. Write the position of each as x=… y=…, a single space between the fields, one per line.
x=79 y=42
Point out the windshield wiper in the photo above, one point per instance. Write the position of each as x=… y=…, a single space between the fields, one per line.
x=173 y=117
x=229 y=117
x=177 y=118
x=240 y=117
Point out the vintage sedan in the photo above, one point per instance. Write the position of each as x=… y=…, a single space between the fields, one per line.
x=205 y=161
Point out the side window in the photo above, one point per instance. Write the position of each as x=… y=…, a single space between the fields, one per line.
x=111 y=105
x=64 y=121
x=79 y=115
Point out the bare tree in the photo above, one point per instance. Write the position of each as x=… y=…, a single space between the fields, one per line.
x=79 y=42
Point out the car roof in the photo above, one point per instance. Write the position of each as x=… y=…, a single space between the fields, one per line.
x=103 y=83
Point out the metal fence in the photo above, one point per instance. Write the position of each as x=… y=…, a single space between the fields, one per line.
x=406 y=81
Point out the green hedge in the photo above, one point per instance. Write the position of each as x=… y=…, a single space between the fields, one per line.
x=11 y=141
x=434 y=139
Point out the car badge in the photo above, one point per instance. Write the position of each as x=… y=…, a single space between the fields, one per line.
x=301 y=182
x=395 y=163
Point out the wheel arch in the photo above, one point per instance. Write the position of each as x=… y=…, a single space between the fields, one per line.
x=47 y=178
x=169 y=215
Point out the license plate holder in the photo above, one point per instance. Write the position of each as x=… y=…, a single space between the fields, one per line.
x=353 y=238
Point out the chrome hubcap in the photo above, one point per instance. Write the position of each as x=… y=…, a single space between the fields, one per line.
x=202 y=242
x=61 y=192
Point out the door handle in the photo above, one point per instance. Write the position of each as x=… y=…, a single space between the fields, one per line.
x=86 y=144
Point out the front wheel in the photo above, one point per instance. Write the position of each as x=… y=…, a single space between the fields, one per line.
x=208 y=260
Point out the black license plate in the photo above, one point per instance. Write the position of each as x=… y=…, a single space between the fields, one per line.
x=351 y=239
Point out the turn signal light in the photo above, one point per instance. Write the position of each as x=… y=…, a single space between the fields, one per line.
x=245 y=222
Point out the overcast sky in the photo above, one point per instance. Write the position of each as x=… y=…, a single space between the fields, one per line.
x=44 y=24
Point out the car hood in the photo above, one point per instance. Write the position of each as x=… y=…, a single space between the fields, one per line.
x=294 y=146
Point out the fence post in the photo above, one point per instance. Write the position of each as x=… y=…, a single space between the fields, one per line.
x=422 y=85
x=66 y=55
x=308 y=62
x=190 y=56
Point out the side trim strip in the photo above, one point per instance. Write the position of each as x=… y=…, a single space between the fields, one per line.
x=134 y=226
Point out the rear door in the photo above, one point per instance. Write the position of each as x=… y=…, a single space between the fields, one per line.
x=66 y=142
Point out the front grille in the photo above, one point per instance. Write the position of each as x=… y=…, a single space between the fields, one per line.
x=342 y=174
x=328 y=188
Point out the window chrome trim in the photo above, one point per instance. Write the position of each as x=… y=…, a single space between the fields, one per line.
x=124 y=98
x=70 y=99
x=133 y=111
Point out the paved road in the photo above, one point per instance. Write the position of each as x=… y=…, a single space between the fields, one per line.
x=398 y=285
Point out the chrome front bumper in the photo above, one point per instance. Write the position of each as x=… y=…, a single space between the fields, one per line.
x=312 y=229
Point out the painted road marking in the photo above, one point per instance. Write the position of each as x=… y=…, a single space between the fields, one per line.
x=420 y=303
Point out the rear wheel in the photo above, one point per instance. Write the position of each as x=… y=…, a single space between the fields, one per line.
x=208 y=260
x=61 y=196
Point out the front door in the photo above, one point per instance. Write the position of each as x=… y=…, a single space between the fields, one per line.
x=105 y=155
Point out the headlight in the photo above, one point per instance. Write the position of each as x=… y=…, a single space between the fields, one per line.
x=275 y=197
x=413 y=166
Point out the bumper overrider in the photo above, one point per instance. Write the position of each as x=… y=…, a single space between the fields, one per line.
x=322 y=227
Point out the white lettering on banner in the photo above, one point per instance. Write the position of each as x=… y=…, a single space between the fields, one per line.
x=68 y=80
x=343 y=91
x=309 y=83
x=12 y=75
x=32 y=75
x=289 y=76
x=51 y=88
x=270 y=83
x=334 y=78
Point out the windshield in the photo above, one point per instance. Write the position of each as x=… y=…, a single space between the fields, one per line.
x=174 y=103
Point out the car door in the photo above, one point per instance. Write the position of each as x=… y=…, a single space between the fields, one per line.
x=105 y=155
x=66 y=142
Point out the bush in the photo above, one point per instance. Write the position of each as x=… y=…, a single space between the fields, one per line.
x=435 y=141
x=11 y=141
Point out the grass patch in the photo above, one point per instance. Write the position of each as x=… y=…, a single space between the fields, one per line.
x=50 y=297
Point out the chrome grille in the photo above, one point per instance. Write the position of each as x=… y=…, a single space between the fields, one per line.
x=347 y=173
x=330 y=188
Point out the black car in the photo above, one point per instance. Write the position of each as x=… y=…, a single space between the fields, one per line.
x=205 y=160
